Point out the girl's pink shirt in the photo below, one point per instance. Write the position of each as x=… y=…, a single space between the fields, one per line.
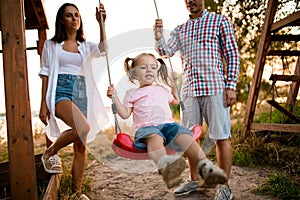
x=150 y=105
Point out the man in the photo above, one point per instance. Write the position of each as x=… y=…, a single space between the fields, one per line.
x=205 y=41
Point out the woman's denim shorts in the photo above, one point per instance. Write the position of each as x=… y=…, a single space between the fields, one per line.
x=168 y=131
x=73 y=88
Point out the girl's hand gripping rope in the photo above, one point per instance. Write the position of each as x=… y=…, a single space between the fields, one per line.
x=111 y=92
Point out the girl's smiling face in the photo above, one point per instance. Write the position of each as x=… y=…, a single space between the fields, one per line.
x=145 y=70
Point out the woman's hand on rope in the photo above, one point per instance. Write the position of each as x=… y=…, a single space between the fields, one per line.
x=158 y=29
x=101 y=11
x=101 y=16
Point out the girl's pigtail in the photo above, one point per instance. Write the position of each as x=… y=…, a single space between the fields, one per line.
x=128 y=69
x=163 y=72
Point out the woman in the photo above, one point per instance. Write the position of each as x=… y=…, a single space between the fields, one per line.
x=69 y=92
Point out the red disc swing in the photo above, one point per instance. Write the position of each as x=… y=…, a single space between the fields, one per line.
x=123 y=144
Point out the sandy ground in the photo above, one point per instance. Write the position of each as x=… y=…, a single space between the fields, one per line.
x=116 y=178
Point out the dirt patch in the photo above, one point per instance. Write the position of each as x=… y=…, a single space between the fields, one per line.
x=118 y=178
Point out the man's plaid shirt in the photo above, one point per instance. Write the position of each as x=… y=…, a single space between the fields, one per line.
x=203 y=43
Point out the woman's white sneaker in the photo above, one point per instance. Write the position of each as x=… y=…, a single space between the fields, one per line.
x=52 y=165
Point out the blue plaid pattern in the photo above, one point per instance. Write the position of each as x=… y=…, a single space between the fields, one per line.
x=203 y=44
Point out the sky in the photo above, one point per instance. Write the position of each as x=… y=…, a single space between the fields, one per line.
x=129 y=32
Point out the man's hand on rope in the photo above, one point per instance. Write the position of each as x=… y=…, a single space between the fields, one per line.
x=158 y=29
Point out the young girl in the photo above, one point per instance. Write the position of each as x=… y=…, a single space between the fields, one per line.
x=152 y=119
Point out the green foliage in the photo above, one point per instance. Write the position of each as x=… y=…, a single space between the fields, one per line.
x=254 y=151
x=266 y=118
x=281 y=187
x=3 y=155
x=243 y=89
x=248 y=19
x=175 y=112
x=65 y=189
x=214 y=6
x=275 y=116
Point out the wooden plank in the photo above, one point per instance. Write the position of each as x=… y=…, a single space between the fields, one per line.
x=41 y=175
x=286 y=78
x=42 y=38
x=264 y=43
x=35 y=15
x=52 y=190
x=283 y=53
x=287 y=21
x=283 y=110
x=288 y=128
x=28 y=48
x=18 y=113
x=287 y=38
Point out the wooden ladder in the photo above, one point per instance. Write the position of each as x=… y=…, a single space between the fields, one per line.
x=267 y=36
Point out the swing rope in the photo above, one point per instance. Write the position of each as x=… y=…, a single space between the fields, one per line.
x=113 y=105
x=172 y=70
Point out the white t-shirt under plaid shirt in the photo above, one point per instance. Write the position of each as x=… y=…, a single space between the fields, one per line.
x=203 y=43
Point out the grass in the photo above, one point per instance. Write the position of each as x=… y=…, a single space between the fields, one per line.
x=281 y=155
x=281 y=187
x=65 y=190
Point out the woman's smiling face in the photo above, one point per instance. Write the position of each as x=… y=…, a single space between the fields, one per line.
x=71 y=18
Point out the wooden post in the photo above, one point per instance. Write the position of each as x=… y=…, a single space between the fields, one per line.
x=42 y=38
x=18 y=112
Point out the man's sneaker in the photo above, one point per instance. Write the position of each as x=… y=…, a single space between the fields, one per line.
x=223 y=193
x=211 y=173
x=187 y=187
x=171 y=167
x=52 y=165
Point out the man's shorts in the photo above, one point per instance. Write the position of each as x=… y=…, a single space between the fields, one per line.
x=214 y=111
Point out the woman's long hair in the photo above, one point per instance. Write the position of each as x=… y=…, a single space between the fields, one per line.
x=60 y=30
x=162 y=75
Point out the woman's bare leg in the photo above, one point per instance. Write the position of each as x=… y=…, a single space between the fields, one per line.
x=73 y=117
x=78 y=165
